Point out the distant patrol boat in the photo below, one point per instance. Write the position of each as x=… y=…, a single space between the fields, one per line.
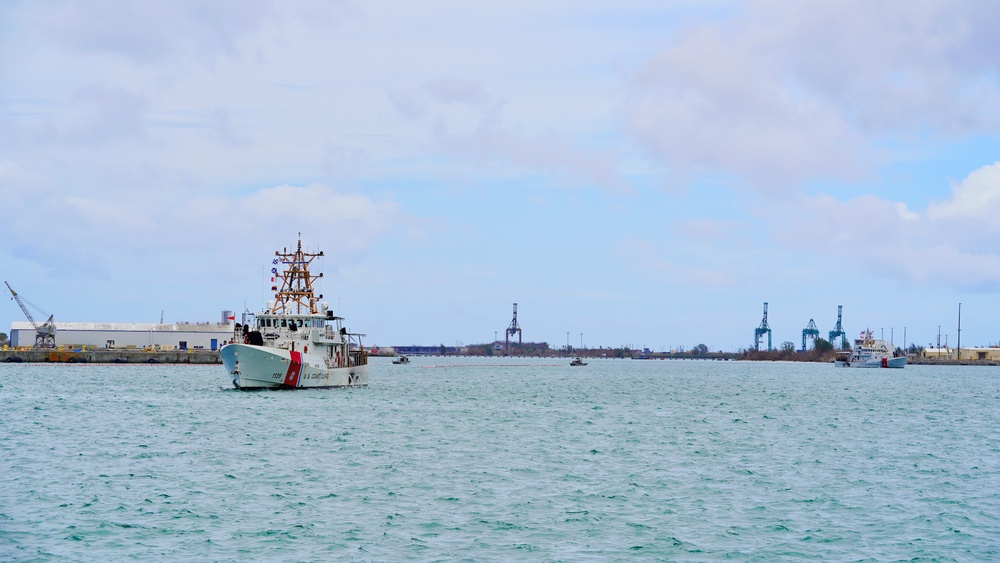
x=870 y=353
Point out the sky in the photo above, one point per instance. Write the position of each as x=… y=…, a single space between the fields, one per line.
x=630 y=173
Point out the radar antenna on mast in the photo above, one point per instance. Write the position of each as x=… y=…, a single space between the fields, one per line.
x=296 y=282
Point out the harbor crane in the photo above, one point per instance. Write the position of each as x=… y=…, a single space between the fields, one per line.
x=761 y=331
x=810 y=331
x=45 y=333
x=839 y=329
x=511 y=330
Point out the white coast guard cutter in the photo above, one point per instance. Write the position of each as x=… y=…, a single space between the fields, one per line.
x=293 y=343
x=870 y=352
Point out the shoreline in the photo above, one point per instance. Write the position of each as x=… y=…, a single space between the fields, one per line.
x=199 y=356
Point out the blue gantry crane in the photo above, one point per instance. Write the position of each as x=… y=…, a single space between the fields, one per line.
x=839 y=330
x=810 y=331
x=761 y=331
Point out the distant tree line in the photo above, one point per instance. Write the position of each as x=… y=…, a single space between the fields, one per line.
x=822 y=351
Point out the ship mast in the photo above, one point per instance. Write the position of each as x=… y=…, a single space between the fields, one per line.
x=296 y=294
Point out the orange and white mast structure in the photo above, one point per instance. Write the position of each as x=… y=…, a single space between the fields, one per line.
x=296 y=294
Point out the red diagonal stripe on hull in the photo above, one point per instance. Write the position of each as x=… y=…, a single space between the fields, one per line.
x=294 y=369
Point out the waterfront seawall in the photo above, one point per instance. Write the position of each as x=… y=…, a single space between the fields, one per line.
x=111 y=356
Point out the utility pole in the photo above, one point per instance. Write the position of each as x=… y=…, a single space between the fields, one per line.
x=958 y=356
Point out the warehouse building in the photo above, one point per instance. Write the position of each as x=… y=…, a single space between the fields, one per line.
x=987 y=354
x=178 y=336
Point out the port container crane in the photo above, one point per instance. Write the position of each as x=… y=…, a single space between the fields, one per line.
x=761 y=331
x=45 y=333
x=809 y=332
x=511 y=331
x=839 y=329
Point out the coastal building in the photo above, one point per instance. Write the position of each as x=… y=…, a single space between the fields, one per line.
x=989 y=354
x=177 y=336
x=938 y=353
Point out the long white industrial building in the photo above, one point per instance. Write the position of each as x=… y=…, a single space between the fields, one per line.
x=180 y=336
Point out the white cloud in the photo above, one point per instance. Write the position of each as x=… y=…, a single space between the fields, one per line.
x=345 y=224
x=787 y=93
x=466 y=120
x=146 y=32
x=975 y=200
x=710 y=230
x=458 y=90
x=110 y=217
x=110 y=114
x=16 y=184
x=226 y=133
x=659 y=261
x=950 y=244
x=93 y=116
x=90 y=235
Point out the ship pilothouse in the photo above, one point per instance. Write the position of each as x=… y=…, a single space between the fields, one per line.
x=296 y=341
x=302 y=332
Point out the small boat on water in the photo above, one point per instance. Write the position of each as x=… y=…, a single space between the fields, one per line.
x=402 y=360
x=578 y=361
x=870 y=353
x=296 y=341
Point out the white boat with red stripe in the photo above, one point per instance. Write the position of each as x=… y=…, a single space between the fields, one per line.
x=869 y=352
x=296 y=341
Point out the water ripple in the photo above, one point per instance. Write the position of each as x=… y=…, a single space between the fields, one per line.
x=487 y=461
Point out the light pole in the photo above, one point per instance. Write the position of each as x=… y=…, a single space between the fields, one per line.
x=958 y=356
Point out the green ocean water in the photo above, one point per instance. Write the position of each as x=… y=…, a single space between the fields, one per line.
x=503 y=459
